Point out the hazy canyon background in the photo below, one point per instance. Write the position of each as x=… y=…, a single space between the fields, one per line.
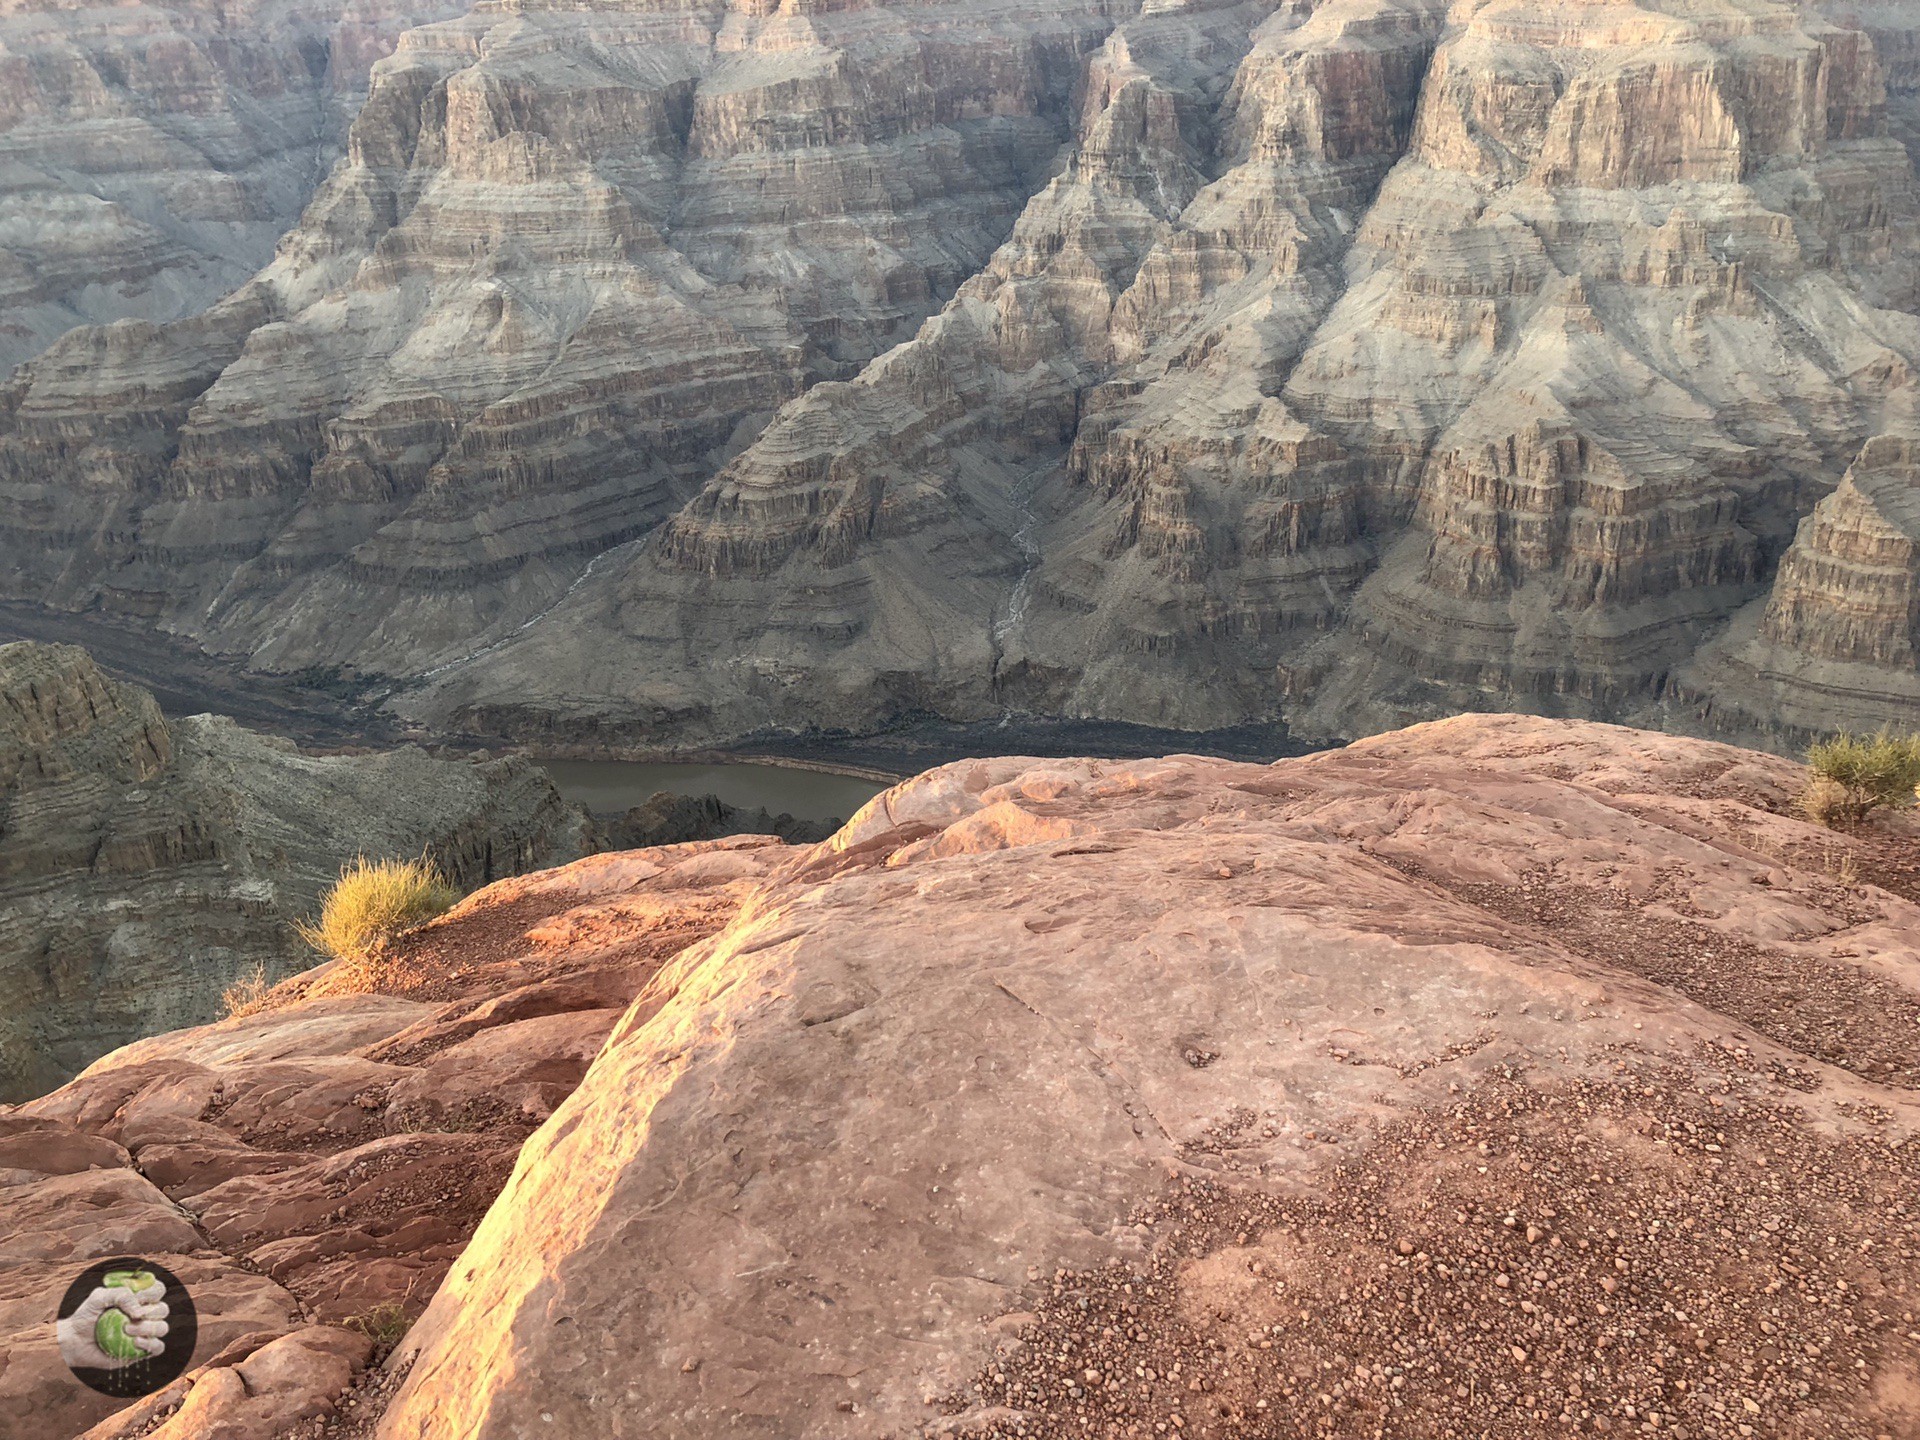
x=672 y=372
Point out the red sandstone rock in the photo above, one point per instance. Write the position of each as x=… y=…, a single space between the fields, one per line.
x=967 y=1042
x=1282 y=1048
x=332 y=1154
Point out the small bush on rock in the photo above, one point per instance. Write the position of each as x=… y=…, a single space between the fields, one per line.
x=248 y=995
x=373 y=902
x=386 y=1325
x=1854 y=775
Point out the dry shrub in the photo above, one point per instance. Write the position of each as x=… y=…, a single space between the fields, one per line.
x=1854 y=775
x=386 y=1325
x=248 y=995
x=372 y=903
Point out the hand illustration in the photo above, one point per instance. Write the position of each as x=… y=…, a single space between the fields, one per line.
x=123 y=1321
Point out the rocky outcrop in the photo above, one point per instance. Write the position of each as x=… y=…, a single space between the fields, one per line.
x=310 y=1171
x=153 y=154
x=1456 y=1077
x=145 y=866
x=1454 y=974
x=1454 y=1037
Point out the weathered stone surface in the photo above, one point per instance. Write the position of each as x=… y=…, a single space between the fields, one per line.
x=255 y=1389
x=144 y=866
x=305 y=1166
x=1359 y=1055
x=932 y=1076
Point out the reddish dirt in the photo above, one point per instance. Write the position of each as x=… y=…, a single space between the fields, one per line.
x=1839 y=1013
x=1709 y=1268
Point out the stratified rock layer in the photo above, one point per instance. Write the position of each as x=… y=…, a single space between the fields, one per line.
x=952 y=1065
x=145 y=866
x=151 y=154
x=1838 y=639
x=573 y=258
x=679 y=374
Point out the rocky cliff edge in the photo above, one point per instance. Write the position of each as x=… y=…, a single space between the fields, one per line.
x=1500 y=1076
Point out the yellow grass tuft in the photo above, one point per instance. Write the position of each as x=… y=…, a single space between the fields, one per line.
x=373 y=902
x=386 y=1325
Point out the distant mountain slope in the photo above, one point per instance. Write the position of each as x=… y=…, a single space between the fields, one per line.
x=151 y=154
x=1352 y=361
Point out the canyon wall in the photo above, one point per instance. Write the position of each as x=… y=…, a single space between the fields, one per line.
x=1390 y=362
x=151 y=154
x=681 y=373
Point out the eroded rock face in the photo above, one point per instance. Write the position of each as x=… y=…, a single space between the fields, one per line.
x=145 y=866
x=1839 y=635
x=1502 y=344
x=311 y=1170
x=1550 y=999
x=573 y=258
x=689 y=372
x=154 y=153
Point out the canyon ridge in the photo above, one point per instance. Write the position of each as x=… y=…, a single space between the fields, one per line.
x=676 y=372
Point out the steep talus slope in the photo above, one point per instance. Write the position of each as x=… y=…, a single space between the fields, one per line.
x=145 y=866
x=574 y=258
x=301 y=1167
x=1507 y=344
x=151 y=154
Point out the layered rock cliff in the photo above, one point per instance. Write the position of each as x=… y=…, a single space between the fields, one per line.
x=1839 y=634
x=1343 y=361
x=573 y=258
x=1390 y=361
x=146 y=865
x=154 y=153
x=1500 y=1076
